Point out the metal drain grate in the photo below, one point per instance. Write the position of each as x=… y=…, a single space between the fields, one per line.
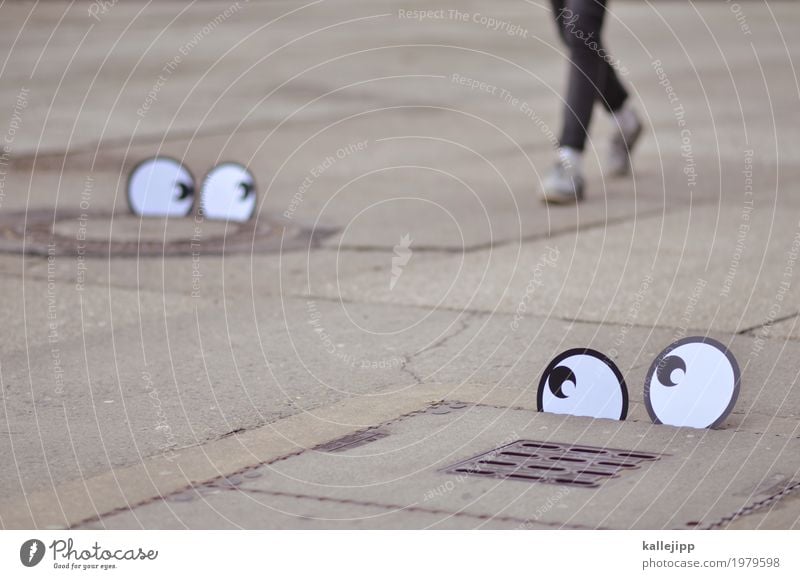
x=553 y=463
x=352 y=440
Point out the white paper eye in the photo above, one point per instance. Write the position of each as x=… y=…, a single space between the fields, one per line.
x=161 y=187
x=228 y=193
x=693 y=382
x=583 y=382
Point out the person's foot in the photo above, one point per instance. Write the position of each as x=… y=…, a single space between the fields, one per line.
x=563 y=184
x=622 y=143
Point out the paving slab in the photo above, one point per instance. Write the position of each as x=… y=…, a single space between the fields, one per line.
x=432 y=436
x=726 y=268
x=406 y=465
x=70 y=502
x=403 y=474
x=178 y=378
x=236 y=509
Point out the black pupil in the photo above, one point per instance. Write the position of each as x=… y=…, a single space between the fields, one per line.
x=247 y=189
x=558 y=377
x=667 y=366
x=186 y=190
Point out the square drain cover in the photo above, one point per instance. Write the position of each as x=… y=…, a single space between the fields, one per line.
x=553 y=463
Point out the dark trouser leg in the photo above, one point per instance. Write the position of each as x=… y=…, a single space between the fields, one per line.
x=591 y=77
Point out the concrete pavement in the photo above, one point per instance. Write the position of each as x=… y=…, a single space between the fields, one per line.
x=200 y=391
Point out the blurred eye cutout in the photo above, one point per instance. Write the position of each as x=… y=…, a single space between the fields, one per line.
x=694 y=382
x=228 y=193
x=583 y=382
x=161 y=187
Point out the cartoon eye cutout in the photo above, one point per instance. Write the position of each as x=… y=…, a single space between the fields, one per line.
x=228 y=193
x=160 y=187
x=694 y=382
x=583 y=382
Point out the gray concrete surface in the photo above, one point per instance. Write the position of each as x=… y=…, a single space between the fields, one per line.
x=111 y=363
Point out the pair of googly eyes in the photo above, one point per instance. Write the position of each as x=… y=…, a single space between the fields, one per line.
x=164 y=187
x=694 y=382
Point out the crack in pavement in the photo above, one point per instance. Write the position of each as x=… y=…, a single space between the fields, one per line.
x=464 y=324
x=752 y=331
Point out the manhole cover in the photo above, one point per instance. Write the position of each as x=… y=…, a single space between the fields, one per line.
x=100 y=234
x=553 y=463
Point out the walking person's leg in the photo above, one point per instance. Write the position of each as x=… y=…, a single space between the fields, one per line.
x=580 y=23
x=591 y=77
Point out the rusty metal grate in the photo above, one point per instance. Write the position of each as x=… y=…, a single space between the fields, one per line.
x=553 y=463
x=352 y=440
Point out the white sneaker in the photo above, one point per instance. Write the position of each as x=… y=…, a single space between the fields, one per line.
x=563 y=185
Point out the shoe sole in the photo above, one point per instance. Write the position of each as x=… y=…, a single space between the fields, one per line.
x=557 y=199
